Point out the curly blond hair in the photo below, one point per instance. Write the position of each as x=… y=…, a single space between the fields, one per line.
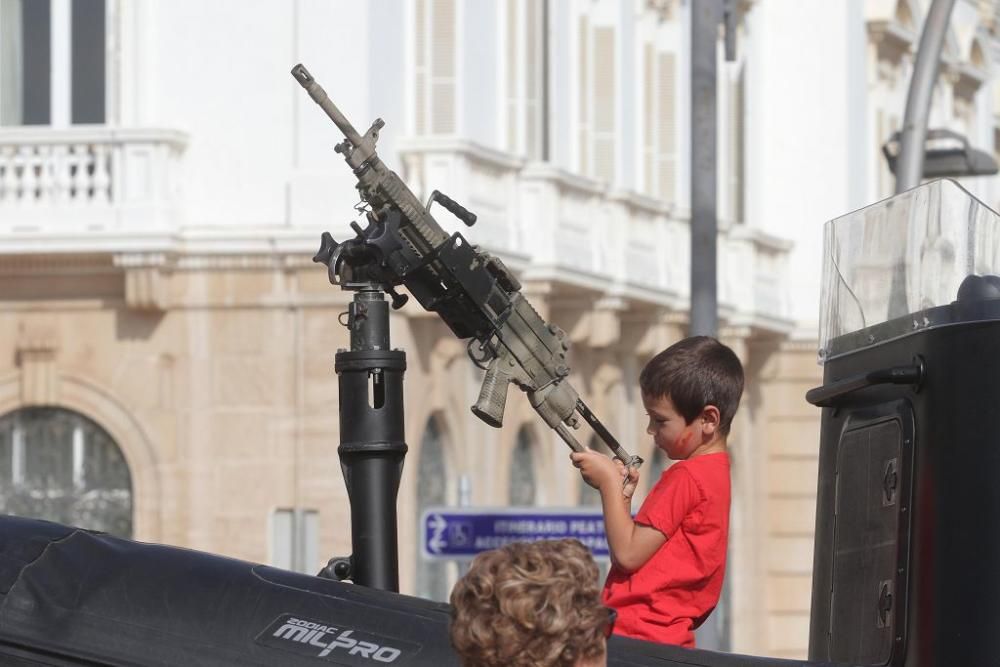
x=529 y=604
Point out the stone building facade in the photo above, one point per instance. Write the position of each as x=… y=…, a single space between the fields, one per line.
x=166 y=344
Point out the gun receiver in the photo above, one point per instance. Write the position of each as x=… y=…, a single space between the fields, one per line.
x=472 y=291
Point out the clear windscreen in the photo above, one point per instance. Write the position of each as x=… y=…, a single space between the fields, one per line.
x=895 y=260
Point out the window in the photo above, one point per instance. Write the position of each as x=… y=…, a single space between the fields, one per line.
x=596 y=118
x=434 y=67
x=524 y=55
x=659 y=123
x=522 y=489
x=432 y=579
x=60 y=466
x=737 y=143
x=52 y=62
x=295 y=540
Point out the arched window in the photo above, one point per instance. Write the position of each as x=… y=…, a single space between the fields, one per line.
x=58 y=465
x=432 y=490
x=522 y=471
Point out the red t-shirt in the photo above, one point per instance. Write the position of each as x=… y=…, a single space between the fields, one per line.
x=675 y=590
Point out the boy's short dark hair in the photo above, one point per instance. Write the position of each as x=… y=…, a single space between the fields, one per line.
x=694 y=373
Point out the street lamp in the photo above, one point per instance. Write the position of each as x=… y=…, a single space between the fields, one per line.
x=946 y=154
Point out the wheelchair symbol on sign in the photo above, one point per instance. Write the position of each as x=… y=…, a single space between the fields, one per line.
x=460 y=534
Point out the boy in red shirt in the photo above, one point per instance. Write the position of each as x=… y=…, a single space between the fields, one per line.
x=668 y=563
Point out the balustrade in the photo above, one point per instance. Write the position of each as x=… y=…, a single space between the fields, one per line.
x=566 y=228
x=82 y=176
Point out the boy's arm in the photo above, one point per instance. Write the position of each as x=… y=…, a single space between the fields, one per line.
x=631 y=544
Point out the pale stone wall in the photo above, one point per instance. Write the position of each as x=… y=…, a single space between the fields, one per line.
x=225 y=406
x=788 y=435
x=214 y=370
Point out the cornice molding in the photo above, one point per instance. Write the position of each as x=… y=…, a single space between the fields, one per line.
x=450 y=144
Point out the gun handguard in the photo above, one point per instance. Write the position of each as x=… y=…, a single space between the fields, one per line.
x=473 y=292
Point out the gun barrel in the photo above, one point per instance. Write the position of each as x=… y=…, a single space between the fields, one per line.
x=605 y=435
x=320 y=97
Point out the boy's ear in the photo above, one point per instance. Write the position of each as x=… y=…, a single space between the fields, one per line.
x=710 y=420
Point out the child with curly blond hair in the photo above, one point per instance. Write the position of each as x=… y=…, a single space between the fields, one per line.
x=531 y=604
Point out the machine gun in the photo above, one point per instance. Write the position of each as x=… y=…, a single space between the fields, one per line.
x=473 y=292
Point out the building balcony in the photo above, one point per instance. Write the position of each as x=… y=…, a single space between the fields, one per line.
x=594 y=243
x=66 y=182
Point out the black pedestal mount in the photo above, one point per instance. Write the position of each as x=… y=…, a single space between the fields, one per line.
x=372 y=444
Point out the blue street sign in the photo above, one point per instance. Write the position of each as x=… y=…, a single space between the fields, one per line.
x=463 y=532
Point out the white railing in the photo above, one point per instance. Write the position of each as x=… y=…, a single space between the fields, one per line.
x=555 y=225
x=88 y=177
x=753 y=274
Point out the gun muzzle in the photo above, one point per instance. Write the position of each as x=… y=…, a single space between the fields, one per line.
x=320 y=97
x=493 y=394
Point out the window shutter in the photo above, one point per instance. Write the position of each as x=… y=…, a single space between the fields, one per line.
x=443 y=68
x=648 y=120
x=11 y=67
x=420 y=67
x=512 y=66
x=666 y=143
x=604 y=104
x=524 y=56
x=532 y=78
x=737 y=142
x=583 y=67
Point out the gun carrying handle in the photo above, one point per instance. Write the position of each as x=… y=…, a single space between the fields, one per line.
x=453 y=206
x=493 y=394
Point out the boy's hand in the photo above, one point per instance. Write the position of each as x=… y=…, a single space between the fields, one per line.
x=597 y=469
x=630 y=479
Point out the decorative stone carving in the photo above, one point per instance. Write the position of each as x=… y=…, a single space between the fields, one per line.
x=893 y=41
x=146 y=289
x=36 y=352
x=605 y=322
x=665 y=10
x=145 y=281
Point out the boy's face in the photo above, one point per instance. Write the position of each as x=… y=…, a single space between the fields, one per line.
x=677 y=439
